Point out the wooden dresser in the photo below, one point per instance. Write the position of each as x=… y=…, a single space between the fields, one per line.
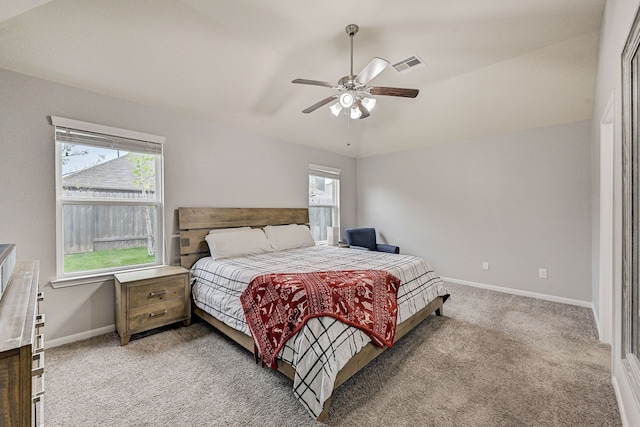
x=21 y=349
x=147 y=299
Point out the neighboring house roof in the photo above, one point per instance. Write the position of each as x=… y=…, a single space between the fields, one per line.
x=113 y=175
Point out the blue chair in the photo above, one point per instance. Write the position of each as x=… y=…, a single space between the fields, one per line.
x=365 y=238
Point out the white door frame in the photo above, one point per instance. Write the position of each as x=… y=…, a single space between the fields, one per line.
x=606 y=222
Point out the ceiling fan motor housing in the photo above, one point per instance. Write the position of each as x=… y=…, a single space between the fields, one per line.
x=349 y=82
x=351 y=29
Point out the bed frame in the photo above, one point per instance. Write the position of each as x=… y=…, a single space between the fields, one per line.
x=195 y=224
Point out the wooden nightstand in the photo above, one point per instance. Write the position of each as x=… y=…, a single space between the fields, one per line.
x=147 y=299
x=337 y=245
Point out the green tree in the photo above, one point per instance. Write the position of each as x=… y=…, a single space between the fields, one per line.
x=144 y=170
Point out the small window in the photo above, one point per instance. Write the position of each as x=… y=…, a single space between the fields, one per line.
x=109 y=198
x=324 y=200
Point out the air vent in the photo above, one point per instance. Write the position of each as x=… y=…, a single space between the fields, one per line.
x=409 y=63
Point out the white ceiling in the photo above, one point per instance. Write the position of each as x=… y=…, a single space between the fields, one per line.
x=493 y=66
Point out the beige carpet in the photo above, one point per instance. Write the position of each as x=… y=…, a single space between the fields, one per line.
x=493 y=360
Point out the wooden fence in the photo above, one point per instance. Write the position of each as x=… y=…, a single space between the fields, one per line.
x=320 y=217
x=91 y=228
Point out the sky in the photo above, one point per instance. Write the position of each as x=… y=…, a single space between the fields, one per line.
x=95 y=155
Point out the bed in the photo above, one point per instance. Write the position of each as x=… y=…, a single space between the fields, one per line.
x=326 y=352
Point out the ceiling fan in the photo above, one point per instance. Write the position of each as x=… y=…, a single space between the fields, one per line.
x=353 y=90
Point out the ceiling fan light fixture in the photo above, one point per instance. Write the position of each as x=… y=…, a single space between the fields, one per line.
x=347 y=100
x=355 y=112
x=335 y=109
x=368 y=103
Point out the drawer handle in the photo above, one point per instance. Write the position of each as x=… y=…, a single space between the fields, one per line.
x=159 y=313
x=37 y=410
x=157 y=294
x=39 y=369
x=39 y=320
x=39 y=343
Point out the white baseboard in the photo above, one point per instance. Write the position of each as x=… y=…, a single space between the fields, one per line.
x=618 y=393
x=529 y=294
x=80 y=336
x=596 y=318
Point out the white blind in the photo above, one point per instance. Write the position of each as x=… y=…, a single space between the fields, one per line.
x=83 y=133
x=324 y=171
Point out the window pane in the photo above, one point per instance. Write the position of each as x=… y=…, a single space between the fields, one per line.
x=322 y=190
x=324 y=194
x=319 y=219
x=100 y=237
x=97 y=172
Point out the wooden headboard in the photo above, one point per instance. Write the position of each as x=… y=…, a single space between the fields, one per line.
x=195 y=224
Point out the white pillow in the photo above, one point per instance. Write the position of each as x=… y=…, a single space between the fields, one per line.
x=289 y=236
x=228 y=230
x=238 y=243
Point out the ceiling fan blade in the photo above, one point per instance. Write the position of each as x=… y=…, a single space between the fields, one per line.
x=314 y=82
x=364 y=111
x=394 y=91
x=373 y=68
x=320 y=104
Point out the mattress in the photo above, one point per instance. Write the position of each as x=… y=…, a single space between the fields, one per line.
x=324 y=345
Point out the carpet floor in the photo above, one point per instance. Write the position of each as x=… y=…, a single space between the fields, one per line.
x=493 y=359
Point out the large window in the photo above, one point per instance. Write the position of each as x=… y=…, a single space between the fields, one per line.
x=324 y=200
x=109 y=198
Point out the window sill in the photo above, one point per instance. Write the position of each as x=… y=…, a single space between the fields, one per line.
x=91 y=279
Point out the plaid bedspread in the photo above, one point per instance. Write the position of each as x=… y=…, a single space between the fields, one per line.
x=324 y=345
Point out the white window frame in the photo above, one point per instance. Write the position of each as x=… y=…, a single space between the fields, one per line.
x=332 y=173
x=141 y=140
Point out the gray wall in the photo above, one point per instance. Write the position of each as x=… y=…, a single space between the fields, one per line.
x=205 y=165
x=519 y=201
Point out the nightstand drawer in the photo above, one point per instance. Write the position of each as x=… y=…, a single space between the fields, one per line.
x=157 y=291
x=152 y=315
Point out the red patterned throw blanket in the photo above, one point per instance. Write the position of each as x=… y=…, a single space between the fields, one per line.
x=276 y=306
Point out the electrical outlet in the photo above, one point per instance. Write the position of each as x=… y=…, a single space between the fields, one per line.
x=542 y=273
x=485 y=265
